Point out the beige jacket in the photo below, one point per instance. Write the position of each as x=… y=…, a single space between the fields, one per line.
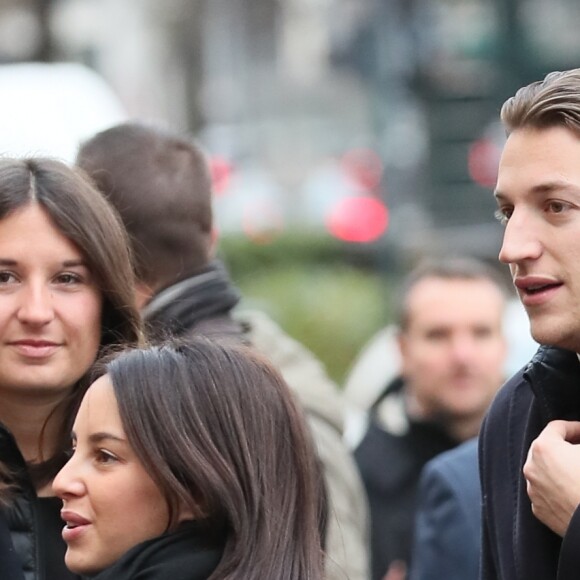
x=347 y=540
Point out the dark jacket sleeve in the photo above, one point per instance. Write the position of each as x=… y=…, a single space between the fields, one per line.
x=447 y=532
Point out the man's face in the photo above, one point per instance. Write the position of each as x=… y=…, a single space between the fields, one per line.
x=538 y=194
x=453 y=349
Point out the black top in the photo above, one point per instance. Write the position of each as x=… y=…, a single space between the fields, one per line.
x=10 y=565
x=181 y=555
x=53 y=546
x=30 y=527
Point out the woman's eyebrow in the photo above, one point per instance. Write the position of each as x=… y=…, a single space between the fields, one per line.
x=103 y=435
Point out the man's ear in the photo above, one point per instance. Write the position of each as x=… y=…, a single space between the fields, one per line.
x=143 y=293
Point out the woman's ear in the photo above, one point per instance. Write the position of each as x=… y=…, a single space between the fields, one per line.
x=185 y=515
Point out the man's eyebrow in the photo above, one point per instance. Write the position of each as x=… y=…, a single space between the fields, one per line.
x=542 y=189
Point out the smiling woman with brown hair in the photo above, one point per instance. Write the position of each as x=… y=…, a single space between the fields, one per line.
x=66 y=292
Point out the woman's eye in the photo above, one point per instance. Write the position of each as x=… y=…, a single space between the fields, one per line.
x=7 y=278
x=68 y=278
x=105 y=457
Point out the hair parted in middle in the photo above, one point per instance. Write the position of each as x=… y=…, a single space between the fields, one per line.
x=218 y=430
x=84 y=217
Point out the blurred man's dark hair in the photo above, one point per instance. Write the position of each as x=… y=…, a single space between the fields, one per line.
x=161 y=185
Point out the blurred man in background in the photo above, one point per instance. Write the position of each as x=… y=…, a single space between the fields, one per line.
x=453 y=351
x=161 y=186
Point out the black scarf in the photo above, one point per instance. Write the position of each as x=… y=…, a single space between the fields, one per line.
x=181 y=555
x=177 y=309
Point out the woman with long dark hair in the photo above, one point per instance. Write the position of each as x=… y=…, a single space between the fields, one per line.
x=192 y=461
x=66 y=293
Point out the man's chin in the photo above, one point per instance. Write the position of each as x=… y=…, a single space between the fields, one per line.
x=553 y=335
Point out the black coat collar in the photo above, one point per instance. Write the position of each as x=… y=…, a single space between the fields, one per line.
x=554 y=375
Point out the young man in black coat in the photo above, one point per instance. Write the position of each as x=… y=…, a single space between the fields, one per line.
x=529 y=457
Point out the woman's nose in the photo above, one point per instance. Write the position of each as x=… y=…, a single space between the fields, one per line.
x=68 y=482
x=36 y=306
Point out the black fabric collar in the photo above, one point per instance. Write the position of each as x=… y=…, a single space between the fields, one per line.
x=554 y=375
x=181 y=555
x=178 y=308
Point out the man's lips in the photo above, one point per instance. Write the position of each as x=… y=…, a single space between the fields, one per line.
x=536 y=290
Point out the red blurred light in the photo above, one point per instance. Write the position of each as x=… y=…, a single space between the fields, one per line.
x=483 y=162
x=221 y=174
x=358 y=219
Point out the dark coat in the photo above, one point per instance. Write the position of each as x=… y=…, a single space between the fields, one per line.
x=33 y=544
x=515 y=544
x=390 y=465
x=182 y=555
x=448 y=525
x=10 y=567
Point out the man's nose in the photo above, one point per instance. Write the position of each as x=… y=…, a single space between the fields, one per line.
x=464 y=348
x=521 y=240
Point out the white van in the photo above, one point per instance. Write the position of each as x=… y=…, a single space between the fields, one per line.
x=48 y=109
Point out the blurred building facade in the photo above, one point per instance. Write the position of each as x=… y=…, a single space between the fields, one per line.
x=283 y=89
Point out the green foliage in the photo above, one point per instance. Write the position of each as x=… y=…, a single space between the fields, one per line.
x=306 y=285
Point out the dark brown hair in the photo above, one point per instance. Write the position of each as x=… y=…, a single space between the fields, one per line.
x=160 y=184
x=218 y=430
x=83 y=216
x=553 y=101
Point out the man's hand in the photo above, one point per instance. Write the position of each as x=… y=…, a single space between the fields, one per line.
x=552 y=473
x=397 y=571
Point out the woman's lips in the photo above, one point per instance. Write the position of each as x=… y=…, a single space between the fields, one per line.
x=35 y=348
x=76 y=525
